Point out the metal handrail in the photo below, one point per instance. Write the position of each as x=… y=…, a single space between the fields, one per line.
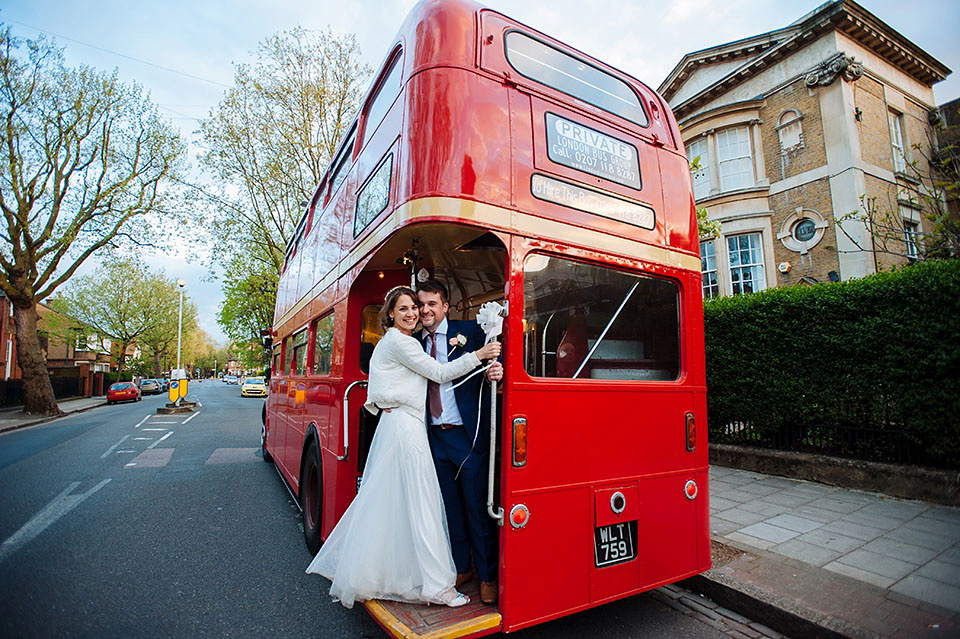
x=346 y=418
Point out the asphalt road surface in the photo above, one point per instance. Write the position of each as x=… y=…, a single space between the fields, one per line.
x=118 y=522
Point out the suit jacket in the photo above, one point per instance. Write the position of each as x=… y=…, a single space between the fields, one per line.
x=466 y=394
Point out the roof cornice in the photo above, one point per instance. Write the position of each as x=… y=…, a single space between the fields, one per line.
x=845 y=16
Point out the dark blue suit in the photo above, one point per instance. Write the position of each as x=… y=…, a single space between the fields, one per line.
x=465 y=496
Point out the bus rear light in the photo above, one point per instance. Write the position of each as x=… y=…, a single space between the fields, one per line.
x=519 y=516
x=520 y=441
x=690 y=489
x=691 y=433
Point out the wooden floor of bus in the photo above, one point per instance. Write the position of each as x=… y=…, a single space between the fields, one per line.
x=420 y=621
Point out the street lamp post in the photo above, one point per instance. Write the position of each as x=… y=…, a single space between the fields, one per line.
x=181 y=284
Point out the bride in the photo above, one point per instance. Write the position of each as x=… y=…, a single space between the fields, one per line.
x=392 y=541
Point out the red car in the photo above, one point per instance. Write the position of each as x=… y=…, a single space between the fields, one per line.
x=123 y=392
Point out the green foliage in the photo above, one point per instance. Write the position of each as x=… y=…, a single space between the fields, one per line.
x=881 y=352
x=125 y=302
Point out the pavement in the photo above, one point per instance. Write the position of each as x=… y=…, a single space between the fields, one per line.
x=799 y=559
x=14 y=418
x=812 y=560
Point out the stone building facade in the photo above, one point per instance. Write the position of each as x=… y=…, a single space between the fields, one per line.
x=797 y=130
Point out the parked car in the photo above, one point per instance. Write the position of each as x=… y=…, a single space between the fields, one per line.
x=253 y=387
x=123 y=392
x=150 y=387
x=230 y=379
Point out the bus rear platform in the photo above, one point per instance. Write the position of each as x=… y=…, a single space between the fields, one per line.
x=422 y=621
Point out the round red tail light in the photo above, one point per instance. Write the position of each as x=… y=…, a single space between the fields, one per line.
x=519 y=516
x=690 y=489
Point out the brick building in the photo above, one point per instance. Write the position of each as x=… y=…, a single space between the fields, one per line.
x=796 y=129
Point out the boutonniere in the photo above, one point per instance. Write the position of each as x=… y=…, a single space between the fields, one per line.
x=457 y=340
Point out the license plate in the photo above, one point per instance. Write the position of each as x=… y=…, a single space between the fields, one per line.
x=614 y=544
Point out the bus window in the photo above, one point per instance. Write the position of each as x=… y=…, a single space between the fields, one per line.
x=590 y=322
x=343 y=161
x=383 y=100
x=276 y=359
x=288 y=349
x=300 y=353
x=374 y=196
x=544 y=64
x=322 y=345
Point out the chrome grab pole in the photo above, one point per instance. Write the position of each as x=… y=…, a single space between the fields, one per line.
x=346 y=418
x=497 y=513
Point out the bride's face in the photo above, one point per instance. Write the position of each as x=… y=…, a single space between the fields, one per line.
x=405 y=314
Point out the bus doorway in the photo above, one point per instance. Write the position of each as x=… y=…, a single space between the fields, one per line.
x=471 y=263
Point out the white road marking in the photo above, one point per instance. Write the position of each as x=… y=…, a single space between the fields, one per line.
x=140 y=423
x=159 y=422
x=140 y=439
x=189 y=418
x=153 y=445
x=113 y=448
x=158 y=428
x=60 y=506
x=132 y=450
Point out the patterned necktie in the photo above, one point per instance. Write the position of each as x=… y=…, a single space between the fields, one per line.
x=433 y=388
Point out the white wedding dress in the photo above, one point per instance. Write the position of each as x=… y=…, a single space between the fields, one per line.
x=392 y=541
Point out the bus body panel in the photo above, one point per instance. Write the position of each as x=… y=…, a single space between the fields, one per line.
x=468 y=136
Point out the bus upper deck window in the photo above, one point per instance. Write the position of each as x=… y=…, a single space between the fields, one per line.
x=575 y=77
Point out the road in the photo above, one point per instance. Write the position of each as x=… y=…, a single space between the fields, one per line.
x=118 y=522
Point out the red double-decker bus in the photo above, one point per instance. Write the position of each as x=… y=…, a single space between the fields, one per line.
x=519 y=170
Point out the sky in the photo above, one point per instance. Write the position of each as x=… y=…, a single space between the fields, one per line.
x=184 y=51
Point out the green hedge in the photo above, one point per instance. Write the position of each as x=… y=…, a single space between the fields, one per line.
x=848 y=368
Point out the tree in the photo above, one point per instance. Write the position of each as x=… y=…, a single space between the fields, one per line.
x=123 y=301
x=268 y=143
x=160 y=338
x=250 y=292
x=934 y=174
x=86 y=160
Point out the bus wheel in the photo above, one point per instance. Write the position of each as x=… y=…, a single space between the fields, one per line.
x=311 y=488
x=267 y=457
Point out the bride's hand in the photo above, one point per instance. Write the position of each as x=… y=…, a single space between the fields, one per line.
x=489 y=351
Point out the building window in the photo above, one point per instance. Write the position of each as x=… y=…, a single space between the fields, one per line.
x=700 y=175
x=734 y=161
x=896 y=142
x=708 y=266
x=746 y=263
x=911 y=238
x=789 y=130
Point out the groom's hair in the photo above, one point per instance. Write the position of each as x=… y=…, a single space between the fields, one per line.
x=435 y=286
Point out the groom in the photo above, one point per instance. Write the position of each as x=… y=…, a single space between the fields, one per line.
x=460 y=452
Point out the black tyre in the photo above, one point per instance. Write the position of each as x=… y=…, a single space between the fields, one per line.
x=311 y=490
x=267 y=457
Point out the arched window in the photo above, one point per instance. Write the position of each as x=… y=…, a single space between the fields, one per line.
x=790 y=130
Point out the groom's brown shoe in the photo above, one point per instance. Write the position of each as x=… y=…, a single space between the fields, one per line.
x=464 y=577
x=488 y=592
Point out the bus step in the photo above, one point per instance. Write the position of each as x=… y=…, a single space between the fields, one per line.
x=415 y=621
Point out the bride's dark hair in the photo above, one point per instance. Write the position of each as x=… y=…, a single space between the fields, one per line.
x=391 y=300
